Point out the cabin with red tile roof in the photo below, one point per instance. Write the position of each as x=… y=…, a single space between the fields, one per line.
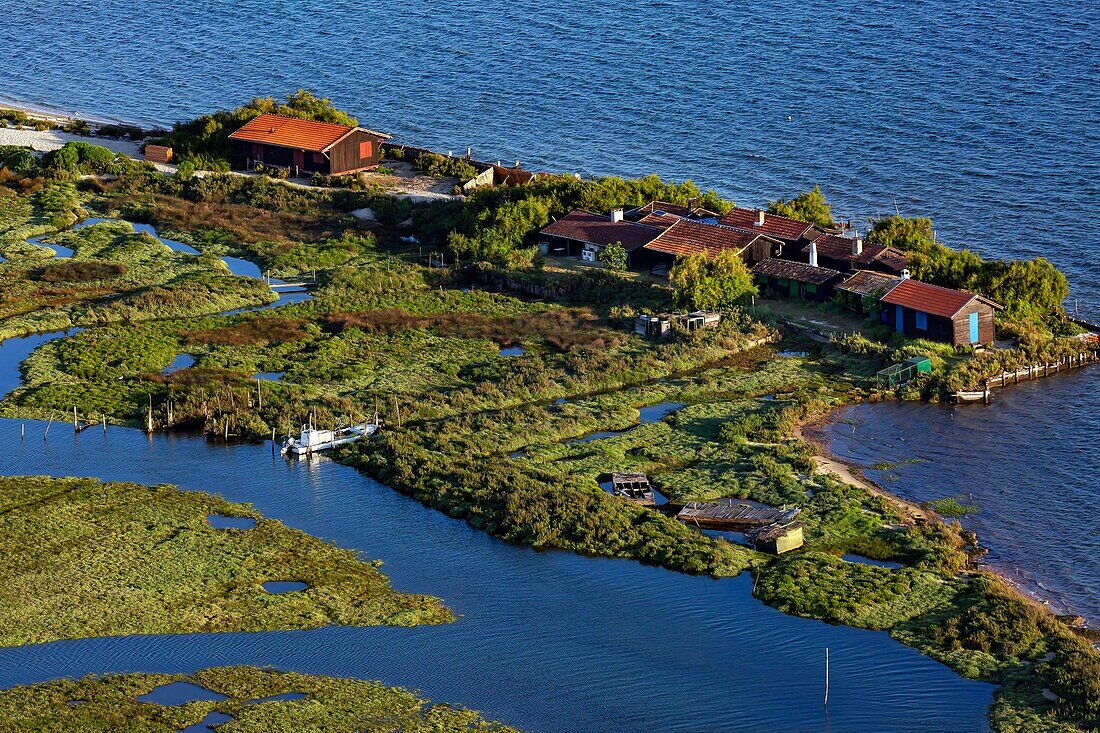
x=307 y=146
x=848 y=254
x=681 y=237
x=923 y=310
x=794 y=234
x=584 y=234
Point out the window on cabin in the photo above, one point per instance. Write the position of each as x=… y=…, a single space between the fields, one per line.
x=922 y=321
x=365 y=149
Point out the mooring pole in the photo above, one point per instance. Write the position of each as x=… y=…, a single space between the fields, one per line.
x=826 y=676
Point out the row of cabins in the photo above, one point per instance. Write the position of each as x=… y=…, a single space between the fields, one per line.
x=790 y=259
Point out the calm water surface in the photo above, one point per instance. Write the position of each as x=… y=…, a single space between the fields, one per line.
x=549 y=641
x=1029 y=462
x=982 y=116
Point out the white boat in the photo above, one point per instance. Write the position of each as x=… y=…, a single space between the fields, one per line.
x=313 y=440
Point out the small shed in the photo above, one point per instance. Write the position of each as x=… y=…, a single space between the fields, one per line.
x=897 y=374
x=158 y=153
x=778 y=538
x=632 y=486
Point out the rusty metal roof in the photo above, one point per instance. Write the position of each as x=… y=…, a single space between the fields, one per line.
x=932 y=299
x=656 y=207
x=774 y=225
x=584 y=226
x=868 y=283
x=292 y=132
x=799 y=271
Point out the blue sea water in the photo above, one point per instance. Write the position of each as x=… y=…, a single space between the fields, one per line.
x=982 y=116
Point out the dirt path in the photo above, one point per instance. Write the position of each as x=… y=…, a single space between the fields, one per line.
x=813 y=432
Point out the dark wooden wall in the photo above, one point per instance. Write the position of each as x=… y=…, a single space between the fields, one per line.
x=345 y=154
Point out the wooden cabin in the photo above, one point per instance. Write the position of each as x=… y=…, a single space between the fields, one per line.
x=682 y=237
x=584 y=234
x=795 y=280
x=923 y=310
x=307 y=146
x=778 y=538
x=793 y=234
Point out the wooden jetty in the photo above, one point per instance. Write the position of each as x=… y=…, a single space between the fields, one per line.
x=1038 y=371
x=731 y=515
x=634 y=487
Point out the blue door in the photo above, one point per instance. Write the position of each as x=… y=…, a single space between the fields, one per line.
x=899 y=319
x=974 y=337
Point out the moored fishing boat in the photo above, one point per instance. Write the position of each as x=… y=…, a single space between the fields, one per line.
x=312 y=440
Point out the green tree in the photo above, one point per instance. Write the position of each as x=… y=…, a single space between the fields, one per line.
x=614 y=256
x=705 y=284
x=810 y=207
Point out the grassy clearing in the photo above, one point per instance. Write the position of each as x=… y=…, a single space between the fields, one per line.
x=84 y=558
x=330 y=705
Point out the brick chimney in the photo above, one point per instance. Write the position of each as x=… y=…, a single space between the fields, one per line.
x=760 y=217
x=813 y=254
x=857 y=246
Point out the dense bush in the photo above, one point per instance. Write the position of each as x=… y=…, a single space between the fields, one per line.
x=81 y=157
x=444 y=166
x=711 y=284
x=80 y=271
x=810 y=207
x=21 y=161
x=1032 y=289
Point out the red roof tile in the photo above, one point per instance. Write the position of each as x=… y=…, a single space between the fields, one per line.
x=931 y=299
x=291 y=132
x=583 y=226
x=685 y=237
x=774 y=225
x=840 y=248
x=661 y=221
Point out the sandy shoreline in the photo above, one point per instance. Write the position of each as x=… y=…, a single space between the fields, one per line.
x=813 y=432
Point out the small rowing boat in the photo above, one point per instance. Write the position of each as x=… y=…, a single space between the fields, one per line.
x=968 y=397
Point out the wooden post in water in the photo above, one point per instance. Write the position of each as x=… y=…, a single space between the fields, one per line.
x=23 y=431
x=47 y=431
x=826 y=676
x=149 y=417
